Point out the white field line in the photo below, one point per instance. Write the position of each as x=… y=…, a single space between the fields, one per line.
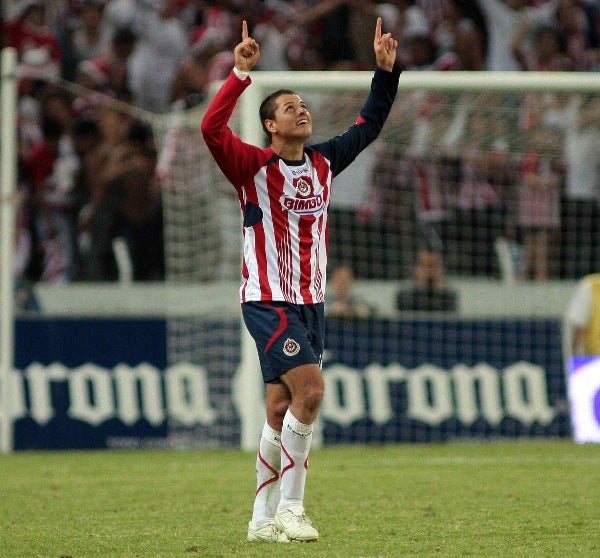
x=477 y=461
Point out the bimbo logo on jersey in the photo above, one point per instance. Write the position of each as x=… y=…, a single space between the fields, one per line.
x=303 y=206
x=304 y=202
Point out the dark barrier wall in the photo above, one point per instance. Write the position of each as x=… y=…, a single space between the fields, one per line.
x=96 y=383
x=432 y=380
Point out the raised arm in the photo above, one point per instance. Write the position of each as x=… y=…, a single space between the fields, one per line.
x=343 y=149
x=238 y=160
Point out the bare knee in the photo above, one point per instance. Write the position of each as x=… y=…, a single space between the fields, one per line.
x=279 y=398
x=276 y=411
x=312 y=396
x=307 y=393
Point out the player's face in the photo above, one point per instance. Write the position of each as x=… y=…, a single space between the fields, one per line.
x=292 y=119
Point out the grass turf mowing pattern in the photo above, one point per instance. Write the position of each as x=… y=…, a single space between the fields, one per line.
x=468 y=499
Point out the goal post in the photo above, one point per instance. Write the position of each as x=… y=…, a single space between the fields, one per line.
x=451 y=81
x=8 y=166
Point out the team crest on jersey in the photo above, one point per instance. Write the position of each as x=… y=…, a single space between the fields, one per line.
x=303 y=186
x=291 y=347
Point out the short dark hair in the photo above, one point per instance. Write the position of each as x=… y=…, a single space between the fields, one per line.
x=269 y=106
x=52 y=128
x=124 y=36
x=85 y=126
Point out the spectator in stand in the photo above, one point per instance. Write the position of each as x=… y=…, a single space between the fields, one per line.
x=129 y=208
x=36 y=44
x=429 y=167
x=581 y=202
x=40 y=99
x=539 y=203
x=52 y=166
x=222 y=15
x=25 y=273
x=116 y=57
x=426 y=168
x=94 y=76
x=292 y=28
x=575 y=27
x=501 y=21
x=119 y=14
x=382 y=226
x=191 y=80
x=342 y=302
x=428 y=291
x=460 y=34
x=595 y=35
x=114 y=122
x=362 y=14
x=90 y=38
x=275 y=31
x=337 y=47
x=86 y=138
x=545 y=52
x=479 y=214
x=420 y=51
x=161 y=47
x=347 y=225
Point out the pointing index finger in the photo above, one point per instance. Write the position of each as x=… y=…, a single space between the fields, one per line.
x=244 y=30
x=378 y=29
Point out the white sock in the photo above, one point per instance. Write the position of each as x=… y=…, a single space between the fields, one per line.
x=268 y=462
x=296 y=438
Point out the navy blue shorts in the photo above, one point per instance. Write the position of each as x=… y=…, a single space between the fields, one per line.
x=286 y=335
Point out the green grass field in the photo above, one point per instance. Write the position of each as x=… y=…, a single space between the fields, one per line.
x=469 y=499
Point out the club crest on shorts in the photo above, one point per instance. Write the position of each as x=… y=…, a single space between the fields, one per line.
x=291 y=347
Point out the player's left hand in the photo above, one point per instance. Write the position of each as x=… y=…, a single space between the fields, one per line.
x=385 y=48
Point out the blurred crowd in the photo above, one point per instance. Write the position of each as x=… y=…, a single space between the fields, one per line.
x=87 y=168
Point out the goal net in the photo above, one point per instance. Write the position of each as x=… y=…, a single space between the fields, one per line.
x=495 y=172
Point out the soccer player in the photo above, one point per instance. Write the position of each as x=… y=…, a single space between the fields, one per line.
x=284 y=193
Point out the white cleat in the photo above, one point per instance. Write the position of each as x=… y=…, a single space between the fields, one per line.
x=294 y=523
x=267 y=532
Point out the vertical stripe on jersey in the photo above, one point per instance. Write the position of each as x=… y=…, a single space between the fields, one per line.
x=245 y=270
x=306 y=233
x=282 y=264
x=255 y=256
x=268 y=286
x=293 y=223
x=323 y=173
x=321 y=260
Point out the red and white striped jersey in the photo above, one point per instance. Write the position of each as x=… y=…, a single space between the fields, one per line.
x=285 y=203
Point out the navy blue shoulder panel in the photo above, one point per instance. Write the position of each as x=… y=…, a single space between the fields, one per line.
x=343 y=149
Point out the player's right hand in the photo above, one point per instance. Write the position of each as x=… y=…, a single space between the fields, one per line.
x=247 y=52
